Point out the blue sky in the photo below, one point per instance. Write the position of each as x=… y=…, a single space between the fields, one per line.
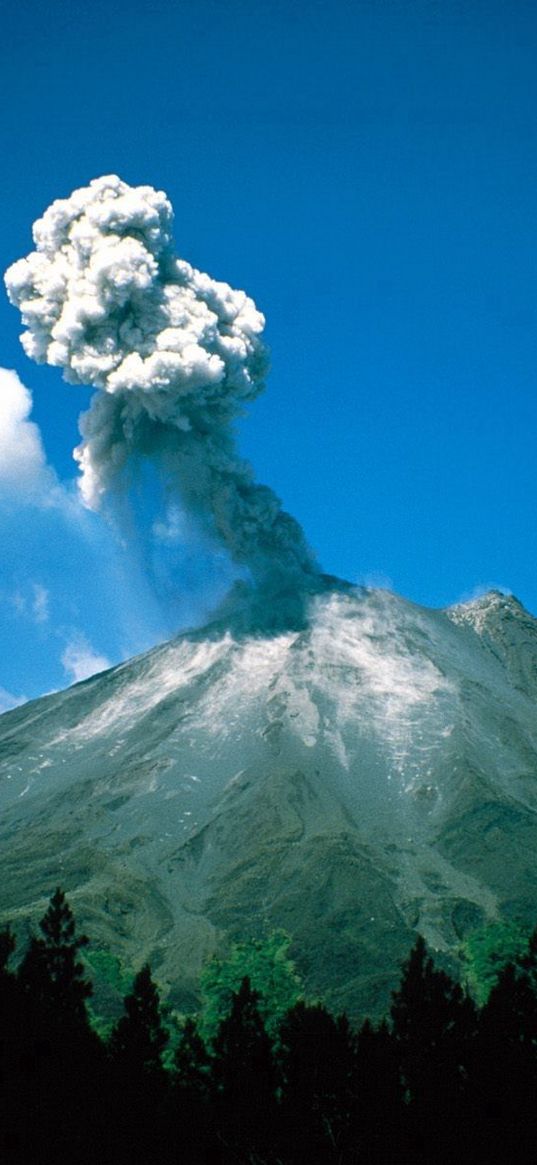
x=366 y=171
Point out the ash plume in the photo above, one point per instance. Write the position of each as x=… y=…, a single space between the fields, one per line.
x=176 y=356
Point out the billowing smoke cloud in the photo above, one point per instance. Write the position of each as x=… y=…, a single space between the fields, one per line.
x=175 y=354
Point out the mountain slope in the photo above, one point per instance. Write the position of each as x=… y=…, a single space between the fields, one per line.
x=371 y=773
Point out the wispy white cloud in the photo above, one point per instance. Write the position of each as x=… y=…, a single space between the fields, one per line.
x=63 y=567
x=18 y=602
x=8 y=700
x=33 y=605
x=375 y=580
x=24 y=472
x=80 y=660
x=40 y=608
x=482 y=589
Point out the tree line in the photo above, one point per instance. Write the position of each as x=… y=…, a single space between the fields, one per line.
x=441 y=1080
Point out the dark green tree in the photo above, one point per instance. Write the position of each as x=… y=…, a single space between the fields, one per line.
x=505 y=1077
x=51 y=970
x=317 y=1058
x=191 y=1063
x=244 y=1076
x=191 y=1124
x=378 y=1129
x=139 y=1037
x=434 y=1026
x=61 y=1060
x=139 y=1089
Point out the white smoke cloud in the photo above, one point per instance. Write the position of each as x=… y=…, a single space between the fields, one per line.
x=175 y=354
x=80 y=660
x=24 y=473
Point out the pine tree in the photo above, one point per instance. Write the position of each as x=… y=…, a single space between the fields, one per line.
x=139 y=1037
x=191 y=1064
x=432 y=1022
x=51 y=970
x=434 y=1025
x=378 y=1129
x=243 y=1073
x=505 y=1078
x=317 y=1057
x=191 y=1109
x=138 y=1089
x=59 y=1052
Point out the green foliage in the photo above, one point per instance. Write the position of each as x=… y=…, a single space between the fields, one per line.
x=108 y=974
x=271 y=972
x=108 y=968
x=112 y=979
x=487 y=951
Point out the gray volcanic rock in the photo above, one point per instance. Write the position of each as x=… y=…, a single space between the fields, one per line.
x=369 y=774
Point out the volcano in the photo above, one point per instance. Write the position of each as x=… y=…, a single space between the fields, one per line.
x=365 y=774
